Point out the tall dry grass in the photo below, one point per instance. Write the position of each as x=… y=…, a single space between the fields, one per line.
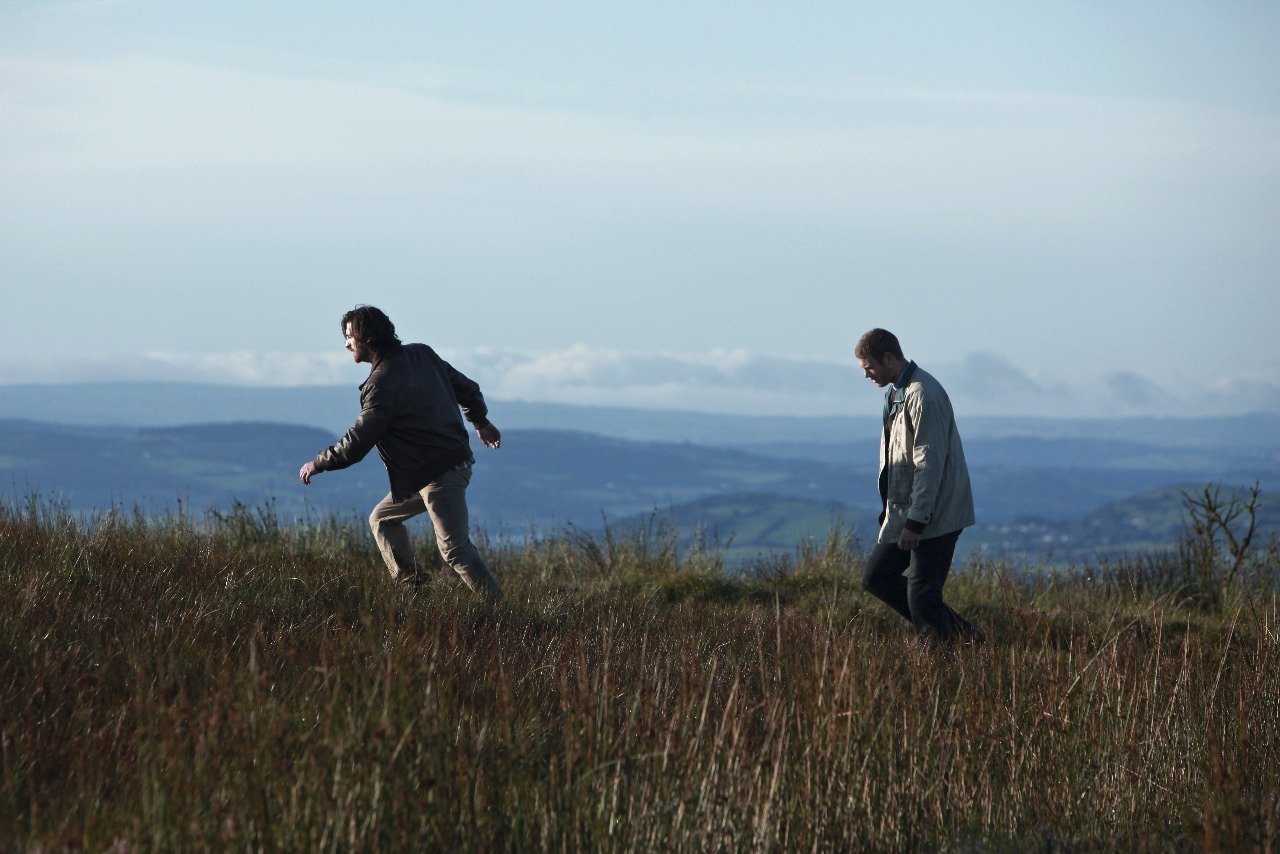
x=244 y=683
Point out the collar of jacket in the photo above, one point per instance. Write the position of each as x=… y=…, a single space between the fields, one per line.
x=379 y=357
x=907 y=373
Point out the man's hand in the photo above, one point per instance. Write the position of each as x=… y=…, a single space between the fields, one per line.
x=305 y=473
x=908 y=540
x=490 y=435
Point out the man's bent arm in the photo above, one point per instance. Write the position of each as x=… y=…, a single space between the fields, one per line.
x=467 y=391
x=373 y=421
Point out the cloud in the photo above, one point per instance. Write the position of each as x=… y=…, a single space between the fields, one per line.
x=242 y=367
x=730 y=381
x=715 y=381
x=1253 y=390
x=239 y=367
x=990 y=375
x=1130 y=390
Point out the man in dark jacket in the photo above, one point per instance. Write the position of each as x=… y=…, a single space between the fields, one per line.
x=409 y=412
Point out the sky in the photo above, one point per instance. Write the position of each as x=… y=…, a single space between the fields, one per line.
x=1060 y=208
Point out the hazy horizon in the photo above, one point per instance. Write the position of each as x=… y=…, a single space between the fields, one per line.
x=740 y=383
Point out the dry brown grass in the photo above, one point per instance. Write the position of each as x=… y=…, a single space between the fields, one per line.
x=250 y=685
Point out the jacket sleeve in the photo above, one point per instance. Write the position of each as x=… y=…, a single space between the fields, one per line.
x=931 y=420
x=467 y=391
x=376 y=413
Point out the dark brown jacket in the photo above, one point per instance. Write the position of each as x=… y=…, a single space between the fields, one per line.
x=409 y=412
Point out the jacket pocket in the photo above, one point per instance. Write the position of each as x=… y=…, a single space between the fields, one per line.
x=901 y=479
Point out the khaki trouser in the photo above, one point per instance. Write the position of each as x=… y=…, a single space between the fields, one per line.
x=445 y=499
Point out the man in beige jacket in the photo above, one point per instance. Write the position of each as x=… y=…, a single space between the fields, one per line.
x=925 y=495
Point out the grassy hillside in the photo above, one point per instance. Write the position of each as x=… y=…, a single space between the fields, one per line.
x=241 y=684
x=1035 y=499
x=743 y=527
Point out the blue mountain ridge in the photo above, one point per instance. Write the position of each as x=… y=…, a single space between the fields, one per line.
x=1033 y=493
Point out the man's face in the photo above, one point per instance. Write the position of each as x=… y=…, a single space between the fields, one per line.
x=358 y=349
x=878 y=372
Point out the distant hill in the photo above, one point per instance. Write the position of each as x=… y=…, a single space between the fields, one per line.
x=538 y=478
x=153 y=404
x=542 y=476
x=135 y=404
x=745 y=526
x=90 y=468
x=1033 y=493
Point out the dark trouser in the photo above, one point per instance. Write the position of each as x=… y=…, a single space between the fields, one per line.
x=918 y=595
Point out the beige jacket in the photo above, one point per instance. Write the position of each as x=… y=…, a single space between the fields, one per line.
x=924 y=482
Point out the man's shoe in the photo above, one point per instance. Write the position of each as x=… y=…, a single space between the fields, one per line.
x=412 y=580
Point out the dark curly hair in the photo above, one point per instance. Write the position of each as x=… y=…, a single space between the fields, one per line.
x=371 y=326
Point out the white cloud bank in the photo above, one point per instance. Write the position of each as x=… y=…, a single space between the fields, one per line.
x=728 y=381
